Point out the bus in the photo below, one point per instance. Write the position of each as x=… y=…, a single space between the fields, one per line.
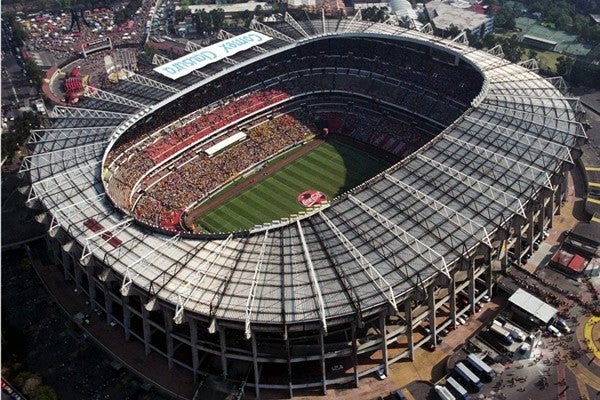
x=456 y=388
x=480 y=366
x=502 y=334
x=443 y=393
x=468 y=376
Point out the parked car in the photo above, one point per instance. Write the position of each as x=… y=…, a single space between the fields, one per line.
x=561 y=324
x=554 y=331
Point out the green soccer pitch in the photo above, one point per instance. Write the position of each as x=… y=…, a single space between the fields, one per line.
x=331 y=168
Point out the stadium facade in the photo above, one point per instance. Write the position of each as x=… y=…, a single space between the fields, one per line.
x=332 y=295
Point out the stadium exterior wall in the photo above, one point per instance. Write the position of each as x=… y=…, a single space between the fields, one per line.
x=476 y=272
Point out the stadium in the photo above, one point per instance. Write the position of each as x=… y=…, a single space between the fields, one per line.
x=476 y=151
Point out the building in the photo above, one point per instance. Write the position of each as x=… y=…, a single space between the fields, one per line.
x=277 y=306
x=444 y=14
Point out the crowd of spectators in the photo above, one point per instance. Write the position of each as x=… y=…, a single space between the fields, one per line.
x=197 y=175
x=61 y=35
x=160 y=165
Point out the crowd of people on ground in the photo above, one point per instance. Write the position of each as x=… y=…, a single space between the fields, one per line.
x=62 y=36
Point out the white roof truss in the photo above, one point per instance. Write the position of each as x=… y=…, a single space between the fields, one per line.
x=73 y=112
x=111 y=98
x=462 y=222
x=417 y=246
x=223 y=34
x=267 y=30
x=145 y=81
x=290 y=20
x=146 y=261
x=210 y=262
x=313 y=278
x=497 y=51
x=161 y=60
x=251 y=293
x=527 y=171
x=378 y=280
x=113 y=229
x=536 y=142
x=496 y=195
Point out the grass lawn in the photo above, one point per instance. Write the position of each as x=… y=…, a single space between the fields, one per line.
x=331 y=168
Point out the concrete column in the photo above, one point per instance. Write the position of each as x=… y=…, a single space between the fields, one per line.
x=66 y=262
x=489 y=280
x=409 y=329
x=323 y=370
x=452 y=305
x=384 y=348
x=471 y=287
x=431 y=304
x=77 y=269
x=108 y=302
x=223 y=343
x=126 y=317
x=147 y=329
x=168 y=318
x=531 y=219
x=91 y=284
x=354 y=353
x=255 y=364
x=289 y=365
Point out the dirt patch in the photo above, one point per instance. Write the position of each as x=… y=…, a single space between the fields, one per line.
x=254 y=179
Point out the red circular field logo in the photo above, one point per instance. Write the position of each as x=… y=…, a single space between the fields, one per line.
x=311 y=197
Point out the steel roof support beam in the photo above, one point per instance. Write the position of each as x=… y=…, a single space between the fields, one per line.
x=161 y=281
x=146 y=261
x=313 y=278
x=497 y=51
x=68 y=112
x=145 y=81
x=161 y=60
x=462 y=222
x=378 y=280
x=191 y=47
x=251 y=292
x=223 y=34
x=427 y=29
x=496 y=195
x=461 y=38
x=112 y=98
x=26 y=165
x=530 y=64
x=267 y=30
x=38 y=136
x=291 y=21
x=559 y=83
x=417 y=246
x=59 y=174
x=87 y=252
x=181 y=302
x=357 y=18
x=89 y=200
x=527 y=171
x=537 y=142
x=541 y=127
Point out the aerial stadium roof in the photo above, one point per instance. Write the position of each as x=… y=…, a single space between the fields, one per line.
x=369 y=249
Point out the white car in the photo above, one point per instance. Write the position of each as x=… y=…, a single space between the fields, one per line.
x=554 y=331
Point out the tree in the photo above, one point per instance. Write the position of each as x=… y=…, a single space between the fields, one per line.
x=217 y=17
x=563 y=65
x=512 y=49
x=34 y=71
x=44 y=392
x=453 y=31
